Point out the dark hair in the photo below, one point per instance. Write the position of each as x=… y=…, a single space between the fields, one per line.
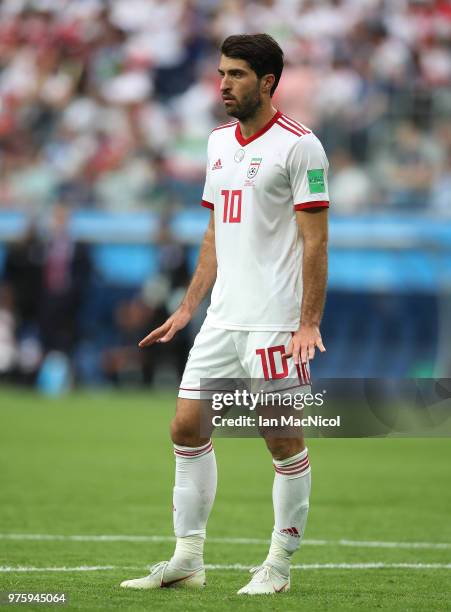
x=260 y=51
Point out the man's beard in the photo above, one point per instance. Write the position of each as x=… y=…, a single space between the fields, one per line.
x=247 y=108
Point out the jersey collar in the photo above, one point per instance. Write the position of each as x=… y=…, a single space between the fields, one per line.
x=244 y=141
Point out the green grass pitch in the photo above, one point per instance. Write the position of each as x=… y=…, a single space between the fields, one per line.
x=102 y=464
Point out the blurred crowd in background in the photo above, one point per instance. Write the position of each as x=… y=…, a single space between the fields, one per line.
x=108 y=104
x=62 y=324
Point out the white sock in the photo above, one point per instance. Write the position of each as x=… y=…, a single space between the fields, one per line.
x=290 y=496
x=194 y=494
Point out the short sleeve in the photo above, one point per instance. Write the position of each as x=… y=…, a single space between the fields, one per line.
x=307 y=167
x=207 y=195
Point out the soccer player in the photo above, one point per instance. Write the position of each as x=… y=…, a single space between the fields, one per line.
x=265 y=251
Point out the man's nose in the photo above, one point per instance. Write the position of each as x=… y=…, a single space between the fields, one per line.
x=225 y=83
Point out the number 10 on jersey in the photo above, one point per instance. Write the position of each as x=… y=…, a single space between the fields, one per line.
x=232 y=205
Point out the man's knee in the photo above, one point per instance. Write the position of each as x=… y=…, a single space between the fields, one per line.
x=185 y=432
x=283 y=448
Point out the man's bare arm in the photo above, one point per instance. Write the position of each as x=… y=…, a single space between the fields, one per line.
x=313 y=228
x=205 y=274
x=203 y=278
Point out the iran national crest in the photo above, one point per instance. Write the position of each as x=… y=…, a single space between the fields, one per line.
x=253 y=167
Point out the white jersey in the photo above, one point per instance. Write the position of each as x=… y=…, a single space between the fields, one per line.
x=255 y=185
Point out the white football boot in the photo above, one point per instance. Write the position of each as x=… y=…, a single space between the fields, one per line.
x=163 y=577
x=266 y=581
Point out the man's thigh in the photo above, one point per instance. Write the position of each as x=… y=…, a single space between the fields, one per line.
x=279 y=381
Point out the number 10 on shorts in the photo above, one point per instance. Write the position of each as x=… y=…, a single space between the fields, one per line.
x=268 y=357
x=232 y=205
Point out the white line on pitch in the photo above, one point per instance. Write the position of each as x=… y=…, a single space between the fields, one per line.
x=236 y=566
x=213 y=540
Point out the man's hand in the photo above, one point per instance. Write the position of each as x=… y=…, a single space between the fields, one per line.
x=304 y=342
x=170 y=327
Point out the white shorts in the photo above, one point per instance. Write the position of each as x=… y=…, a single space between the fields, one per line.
x=250 y=355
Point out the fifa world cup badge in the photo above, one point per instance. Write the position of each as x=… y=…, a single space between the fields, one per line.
x=239 y=156
x=254 y=167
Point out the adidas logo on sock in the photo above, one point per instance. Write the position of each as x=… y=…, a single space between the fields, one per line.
x=292 y=531
x=217 y=165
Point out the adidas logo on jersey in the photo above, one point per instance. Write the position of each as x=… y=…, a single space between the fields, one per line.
x=217 y=165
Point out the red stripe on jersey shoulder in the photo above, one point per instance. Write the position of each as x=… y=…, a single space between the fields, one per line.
x=225 y=125
x=316 y=204
x=296 y=125
x=293 y=130
x=208 y=204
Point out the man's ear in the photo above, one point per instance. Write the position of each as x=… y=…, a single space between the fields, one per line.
x=267 y=83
